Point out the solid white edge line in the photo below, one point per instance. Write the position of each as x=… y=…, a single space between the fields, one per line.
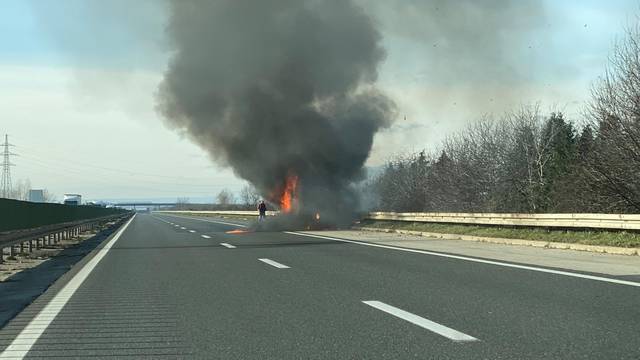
x=228 y=246
x=206 y=236
x=211 y=221
x=274 y=263
x=482 y=261
x=439 y=329
x=21 y=345
x=192 y=231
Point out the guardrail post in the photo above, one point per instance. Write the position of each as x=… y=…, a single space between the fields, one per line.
x=1 y=255
x=12 y=251
x=37 y=243
x=22 y=247
x=31 y=245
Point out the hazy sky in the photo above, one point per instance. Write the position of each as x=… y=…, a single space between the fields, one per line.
x=78 y=80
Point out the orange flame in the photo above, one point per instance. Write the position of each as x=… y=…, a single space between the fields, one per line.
x=289 y=197
x=237 y=231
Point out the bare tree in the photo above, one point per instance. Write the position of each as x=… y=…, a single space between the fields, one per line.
x=528 y=158
x=526 y=162
x=49 y=197
x=20 y=190
x=182 y=203
x=511 y=164
x=225 y=197
x=249 y=195
x=614 y=111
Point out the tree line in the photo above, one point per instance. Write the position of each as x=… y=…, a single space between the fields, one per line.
x=527 y=161
x=20 y=191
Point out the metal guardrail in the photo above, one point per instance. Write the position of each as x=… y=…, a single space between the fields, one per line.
x=35 y=238
x=217 y=212
x=595 y=221
x=587 y=221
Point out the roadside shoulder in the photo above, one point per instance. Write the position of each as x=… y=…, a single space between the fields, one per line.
x=535 y=243
x=34 y=287
x=601 y=263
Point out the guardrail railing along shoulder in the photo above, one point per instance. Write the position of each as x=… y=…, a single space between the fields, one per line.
x=217 y=212
x=34 y=237
x=598 y=221
x=585 y=220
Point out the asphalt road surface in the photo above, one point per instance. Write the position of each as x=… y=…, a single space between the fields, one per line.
x=174 y=287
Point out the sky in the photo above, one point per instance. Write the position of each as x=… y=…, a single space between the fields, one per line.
x=78 y=82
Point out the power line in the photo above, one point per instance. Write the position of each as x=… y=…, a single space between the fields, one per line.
x=73 y=169
x=70 y=160
x=6 y=168
x=79 y=175
x=74 y=174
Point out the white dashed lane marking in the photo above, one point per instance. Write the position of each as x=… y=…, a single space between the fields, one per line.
x=439 y=329
x=274 y=263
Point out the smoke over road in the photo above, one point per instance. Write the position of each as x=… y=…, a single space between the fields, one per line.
x=279 y=89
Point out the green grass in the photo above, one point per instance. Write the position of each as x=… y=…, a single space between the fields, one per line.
x=586 y=237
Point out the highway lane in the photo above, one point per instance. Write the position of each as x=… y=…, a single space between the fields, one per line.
x=178 y=292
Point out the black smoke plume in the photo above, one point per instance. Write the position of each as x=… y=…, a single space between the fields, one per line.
x=279 y=88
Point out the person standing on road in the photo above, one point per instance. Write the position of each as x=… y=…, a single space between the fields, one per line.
x=262 y=209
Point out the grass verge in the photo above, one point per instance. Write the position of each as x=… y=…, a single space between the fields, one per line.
x=577 y=236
